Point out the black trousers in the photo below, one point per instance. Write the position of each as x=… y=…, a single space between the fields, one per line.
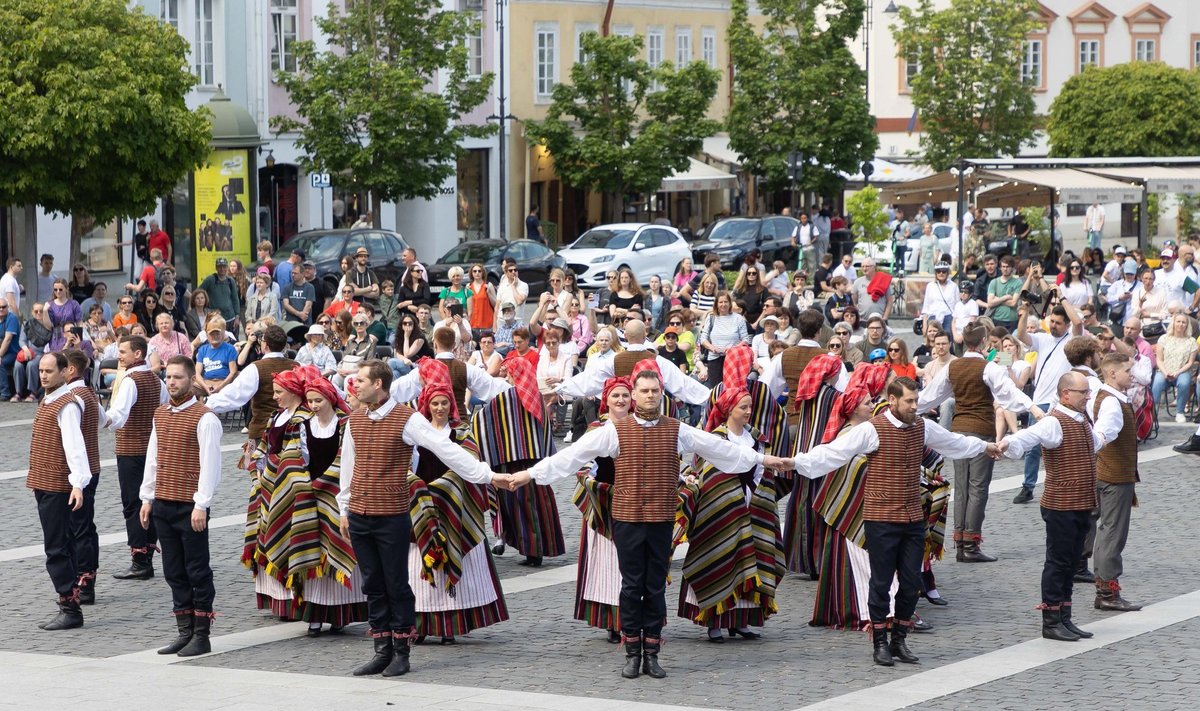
x=55 y=514
x=129 y=474
x=1065 y=531
x=644 y=557
x=184 y=556
x=84 y=536
x=381 y=547
x=895 y=550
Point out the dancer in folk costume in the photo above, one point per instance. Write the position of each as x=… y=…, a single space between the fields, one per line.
x=734 y=561
x=598 y=577
x=815 y=396
x=454 y=577
x=767 y=416
x=513 y=433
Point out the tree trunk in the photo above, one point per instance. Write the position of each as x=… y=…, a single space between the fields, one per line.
x=80 y=225
x=24 y=222
x=614 y=207
x=376 y=217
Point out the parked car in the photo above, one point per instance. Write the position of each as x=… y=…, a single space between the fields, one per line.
x=734 y=237
x=325 y=249
x=534 y=262
x=645 y=249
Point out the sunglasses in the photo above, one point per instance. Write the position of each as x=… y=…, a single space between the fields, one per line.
x=58 y=288
x=476 y=271
x=674 y=323
x=610 y=276
x=835 y=346
x=360 y=323
x=80 y=269
x=893 y=350
x=1075 y=267
x=511 y=270
x=124 y=302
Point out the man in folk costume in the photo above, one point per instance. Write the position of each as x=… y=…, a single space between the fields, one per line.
x=463 y=377
x=1116 y=474
x=1083 y=355
x=183 y=469
x=734 y=561
x=813 y=398
x=646 y=450
x=457 y=588
x=373 y=462
x=83 y=522
x=894 y=518
x=766 y=414
x=131 y=417
x=513 y=432
x=1069 y=444
x=977 y=386
x=58 y=473
x=255 y=386
x=782 y=374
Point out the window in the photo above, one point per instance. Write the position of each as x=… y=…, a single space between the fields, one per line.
x=654 y=52
x=910 y=67
x=545 y=60
x=581 y=29
x=708 y=46
x=1145 y=50
x=1089 y=53
x=1031 y=62
x=169 y=13
x=1195 y=52
x=625 y=31
x=202 y=44
x=284 y=25
x=474 y=38
x=683 y=46
x=100 y=246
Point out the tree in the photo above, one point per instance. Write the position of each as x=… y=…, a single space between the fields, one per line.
x=868 y=219
x=968 y=90
x=1132 y=109
x=382 y=108
x=797 y=87
x=620 y=126
x=92 y=115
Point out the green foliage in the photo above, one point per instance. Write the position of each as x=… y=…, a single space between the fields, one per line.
x=1039 y=226
x=92 y=113
x=1154 y=212
x=868 y=219
x=1186 y=219
x=968 y=92
x=368 y=111
x=1131 y=109
x=797 y=87
x=610 y=130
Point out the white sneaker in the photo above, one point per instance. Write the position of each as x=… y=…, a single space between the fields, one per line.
x=570 y=436
x=1180 y=418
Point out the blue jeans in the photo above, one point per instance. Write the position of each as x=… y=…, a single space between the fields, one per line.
x=1093 y=239
x=1033 y=458
x=7 y=368
x=1183 y=388
x=398 y=367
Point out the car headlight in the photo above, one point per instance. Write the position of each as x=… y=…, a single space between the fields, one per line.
x=605 y=258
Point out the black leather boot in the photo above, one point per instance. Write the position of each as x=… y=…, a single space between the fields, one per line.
x=898 y=647
x=633 y=657
x=1052 y=626
x=185 y=622
x=1192 y=446
x=198 y=644
x=1066 y=622
x=1108 y=597
x=879 y=636
x=69 y=616
x=87 y=588
x=400 y=649
x=959 y=550
x=140 y=568
x=650 y=666
x=970 y=553
x=1082 y=574
x=383 y=654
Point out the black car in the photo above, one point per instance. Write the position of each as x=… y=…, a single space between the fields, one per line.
x=734 y=237
x=534 y=262
x=325 y=249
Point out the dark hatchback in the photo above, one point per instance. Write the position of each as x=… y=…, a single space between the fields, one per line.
x=534 y=262
x=325 y=249
x=734 y=237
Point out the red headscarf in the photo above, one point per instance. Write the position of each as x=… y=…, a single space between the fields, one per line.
x=610 y=385
x=720 y=410
x=435 y=379
x=738 y=361
x=525 y=383
x=872 y=376
x=817 y=371
x=292 y=381
x=845 y=406
x=650 y=364
x=314 y=382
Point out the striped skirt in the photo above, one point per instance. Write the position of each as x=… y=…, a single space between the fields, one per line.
x=529 y=521
x=476 y=601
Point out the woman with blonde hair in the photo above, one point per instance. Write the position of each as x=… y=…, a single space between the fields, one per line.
x=1175 y=355
x=705 y=297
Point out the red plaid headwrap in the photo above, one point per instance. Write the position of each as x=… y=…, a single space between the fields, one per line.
x=738 y=361
x=845 y=405
x=525 y=383
x=872 y=376
x=647 y=364
x=314 y=382
x=435 y=379
x=292 y=381
x=817 y=371
x=725 y=403
x=610 y=385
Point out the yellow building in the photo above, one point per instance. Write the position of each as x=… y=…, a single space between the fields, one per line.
x=543 y=45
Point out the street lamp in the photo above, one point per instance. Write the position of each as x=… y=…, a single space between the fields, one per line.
x=503 y=117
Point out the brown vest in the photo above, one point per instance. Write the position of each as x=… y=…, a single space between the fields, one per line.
x=792 y=363
x=646 y=471
x=624 y=361
x=91 y=426
x=892 y=492
x=973 y=413
x=379 y=486
x=458 y=382
x=1116 y=463
x=178 y=449
x=262 y=404
x=48 y=468
x=1070 y=468
x=134 y=436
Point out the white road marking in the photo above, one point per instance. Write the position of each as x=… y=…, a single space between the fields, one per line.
x=15 y=423
x=20 y=473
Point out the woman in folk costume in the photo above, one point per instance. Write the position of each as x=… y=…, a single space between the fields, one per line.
x=815 y=397
x=766 y=414
x=513 y=433
x=598 y=580
x=735 y=555
x=332 y=592
x=453 y=575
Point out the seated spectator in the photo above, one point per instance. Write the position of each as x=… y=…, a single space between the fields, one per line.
x=670 y=348
x=172 y=305
x=216 y=359
x=487 y=357
x=554 y=365
x=314 y=352
x=196 y=316
x=410 y=345
x=522 y=347
x=506 y=324
x=10 y=340
x=167 y=341
x=346 y=302
x=99 y=294
x=839 y=300
x=376 y=327
x=97 y=330
x=761 y=343
x=1175 y=354
x=457 y=321
x=124 y=317
x=897 y=359
x=35 y=336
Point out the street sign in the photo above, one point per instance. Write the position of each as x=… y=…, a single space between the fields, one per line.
x=320 y=180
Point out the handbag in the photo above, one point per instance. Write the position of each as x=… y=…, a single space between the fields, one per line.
x=349 y=364
x=1153 y=329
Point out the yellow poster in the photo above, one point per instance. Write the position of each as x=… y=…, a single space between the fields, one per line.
x=222 y=217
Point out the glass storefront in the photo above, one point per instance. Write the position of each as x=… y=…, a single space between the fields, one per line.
x=98 y=244
x=472 y=195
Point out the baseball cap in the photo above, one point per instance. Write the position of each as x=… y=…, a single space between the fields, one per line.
x=671 y=331
x=561 y=323
x=1130 y=266
x=1118 y=249
x=507 y=305
x=222 y=262
x=306 y=264
x=941 y=267
x=264 y=270
x=316 y=330
x=1168 y=253
x=300 y=253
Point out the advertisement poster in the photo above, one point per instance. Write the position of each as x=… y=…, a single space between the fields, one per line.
x=222 y=221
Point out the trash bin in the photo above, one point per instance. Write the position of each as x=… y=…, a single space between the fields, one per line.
x=841 y=242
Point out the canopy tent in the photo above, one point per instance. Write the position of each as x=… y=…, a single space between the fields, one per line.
x=888 y=172
x=698 y=176
x=1158 y=178
x=717 y=149
x=1017 y=187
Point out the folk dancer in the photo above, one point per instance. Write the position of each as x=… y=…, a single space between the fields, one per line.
x=83 y=521
x=254 y=386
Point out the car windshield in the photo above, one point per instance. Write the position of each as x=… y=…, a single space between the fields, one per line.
x=471 y=253
x=733 y=230
x=604 y=239
x=317 y=247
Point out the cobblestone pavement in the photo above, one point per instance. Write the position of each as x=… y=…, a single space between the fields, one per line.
x=543 y=651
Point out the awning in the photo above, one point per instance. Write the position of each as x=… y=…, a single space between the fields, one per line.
x=936 y=188
x=699 y=176
x=1015 y=187
x=717 y=148
x=888 y=172
x=1159 y=178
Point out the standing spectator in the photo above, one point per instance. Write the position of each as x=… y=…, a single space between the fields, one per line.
x=409 y=257
x=283 y=270
x=10 y=346
x=262 y=301
x=456 y=291
x=237 y=272
x=35 y=336
x=805 y=237
x=61 y=311
x=1004 y=295
x=868 y=299
x=167 y=341
x=654 y=304
x=1175 y=354
x=81 y=283
x=511 y=289
x=481 y=309
x=310 y=276
x=45 y=278
x=362 y=278
x=389 y=307
x=839 y=301
x=414 y=292
x=10 y=285
x=984 y=280
x=96 y=298
x=938 y=306
x=683 y=276
x=195 y=318
x=558 y=291
x=533 y=226
x=821 y=219
x=1093 y=224
x=900 y=233
x=298 y=302
x=223 y=294
x=159 y=240
x=141 y=243
x=722 y=330
x=1075 y=287
x=264 y=250
x=555 y=364
x=928 y=251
